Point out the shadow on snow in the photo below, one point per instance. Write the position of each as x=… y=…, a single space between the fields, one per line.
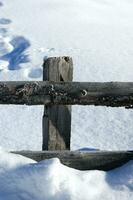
x=5 y=21
x=18 y=55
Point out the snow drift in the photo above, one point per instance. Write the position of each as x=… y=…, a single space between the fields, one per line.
x=23 y=178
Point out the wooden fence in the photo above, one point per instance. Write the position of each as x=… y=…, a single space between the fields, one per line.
x=57 y=93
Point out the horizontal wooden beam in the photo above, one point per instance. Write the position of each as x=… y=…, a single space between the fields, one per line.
x=114 y=94
x=99 y=160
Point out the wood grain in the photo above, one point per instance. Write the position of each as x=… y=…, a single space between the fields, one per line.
x=114 y=94
x=57 y=118
x=98 y=160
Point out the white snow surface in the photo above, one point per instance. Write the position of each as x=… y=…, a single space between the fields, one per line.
x=24 y=179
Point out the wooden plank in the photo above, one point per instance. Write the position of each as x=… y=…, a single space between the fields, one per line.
x=98 y=160
x=114 y=94
x=57 y=119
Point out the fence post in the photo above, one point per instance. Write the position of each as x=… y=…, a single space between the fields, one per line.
x=57 y=119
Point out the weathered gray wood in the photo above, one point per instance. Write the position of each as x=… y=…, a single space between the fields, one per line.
x=84 y=161
x=57 y=119
x=114 y=94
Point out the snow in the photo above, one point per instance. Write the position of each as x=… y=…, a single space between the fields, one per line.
x=98 y=35
x=23 y=178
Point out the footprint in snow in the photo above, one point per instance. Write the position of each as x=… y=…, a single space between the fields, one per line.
x=5 y=48
x=17 y=55
x=12 y=51
x=1 y=4
x=34 y=72
x=3 y=32
x=5 y=21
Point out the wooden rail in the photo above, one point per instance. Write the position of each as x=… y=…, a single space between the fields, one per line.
x=57 y=92
x=101 y=160
x=113 y=94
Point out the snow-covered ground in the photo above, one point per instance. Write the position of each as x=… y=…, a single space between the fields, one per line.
x=24 y=179
x=98 y=34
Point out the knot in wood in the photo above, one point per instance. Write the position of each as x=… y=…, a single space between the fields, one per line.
x=28 y=89
x=66 y=58
x=84 y=93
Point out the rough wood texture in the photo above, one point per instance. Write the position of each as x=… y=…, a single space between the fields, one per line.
x=84 y=161
x=57 y=119
x=114 y=94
